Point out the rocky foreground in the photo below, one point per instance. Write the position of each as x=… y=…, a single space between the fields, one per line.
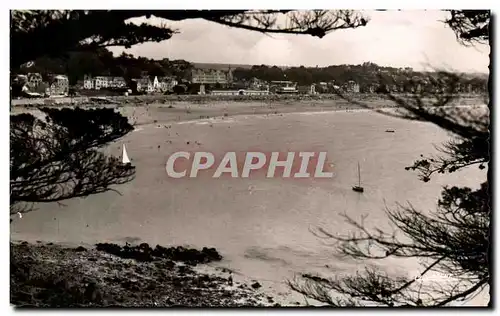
x=109 y=275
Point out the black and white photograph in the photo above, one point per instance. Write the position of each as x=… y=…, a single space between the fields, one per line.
x=244 y=158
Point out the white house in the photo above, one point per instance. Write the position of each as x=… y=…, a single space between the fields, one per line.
x=145 y=84
x=100 y=82
x=88 y=83
x=156 y=84
x=166 y=83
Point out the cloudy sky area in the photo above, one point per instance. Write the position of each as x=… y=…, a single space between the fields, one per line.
x=394 y=38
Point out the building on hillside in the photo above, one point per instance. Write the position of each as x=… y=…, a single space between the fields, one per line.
x=59 y=85
x=156 y=84
x=116 y=82
x=145 y=84
x=283 y=87
x=307 y=89
x=322 y=87
x=171 y=83
x=88 y=83
x=211 y=76
x=313 y=89
x=43 y=88
x=369 y=88
x=257 y=84
x=78 y=85
x=202 y=89
x=468 y=88
x=20 y=79
x=99 y=82
x=352 y=87
x=166 y=84
x=34 y=78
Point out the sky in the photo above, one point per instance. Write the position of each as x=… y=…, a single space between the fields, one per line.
x=417 y=39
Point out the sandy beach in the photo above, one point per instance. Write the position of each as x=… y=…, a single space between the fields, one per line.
x=160 y=109
x=176 y=111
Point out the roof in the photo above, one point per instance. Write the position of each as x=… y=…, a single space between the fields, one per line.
x=34 y=74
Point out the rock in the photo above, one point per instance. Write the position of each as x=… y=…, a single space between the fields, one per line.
x=80 y=249
x=256 y=285
x=144 y=252
x=144 y=246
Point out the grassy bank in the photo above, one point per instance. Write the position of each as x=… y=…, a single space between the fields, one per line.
x=109 y=275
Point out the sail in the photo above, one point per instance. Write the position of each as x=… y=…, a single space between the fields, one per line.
x=125 y=158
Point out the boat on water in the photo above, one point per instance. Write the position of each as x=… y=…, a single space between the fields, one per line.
x=126 y=163
x=358 y=188
x=389 y=131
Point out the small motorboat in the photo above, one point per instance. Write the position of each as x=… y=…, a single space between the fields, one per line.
x=389 y=131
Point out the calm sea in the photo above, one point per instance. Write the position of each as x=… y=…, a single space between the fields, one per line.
x=261 y=226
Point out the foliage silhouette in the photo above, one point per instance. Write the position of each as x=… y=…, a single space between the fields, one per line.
x=454 y=240
x=53 y=33
x=60 y=157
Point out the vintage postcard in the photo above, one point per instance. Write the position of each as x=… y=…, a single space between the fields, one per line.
x=250 y=158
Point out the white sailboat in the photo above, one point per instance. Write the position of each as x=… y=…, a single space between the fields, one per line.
x=125 y=159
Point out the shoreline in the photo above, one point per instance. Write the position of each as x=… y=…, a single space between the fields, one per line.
x=142 y=100
x=160 y=111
